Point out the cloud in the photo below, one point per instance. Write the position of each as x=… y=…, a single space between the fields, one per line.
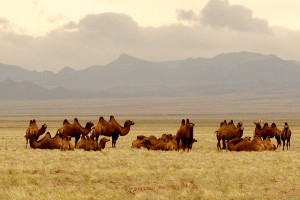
x=219 y=13
x=101 y=38
x=186 y=15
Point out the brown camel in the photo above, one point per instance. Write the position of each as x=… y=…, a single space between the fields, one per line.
x=75 y=129
x=286 y=134
x=111 y=129
x=152 y=143
x=102 y=142
x=185 y=135
x=244 y=144
x=47 y=142
x=267 y=131
x=34 y=131
x=228 y=132
x=87 y=144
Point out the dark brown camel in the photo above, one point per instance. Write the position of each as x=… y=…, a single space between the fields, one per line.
x=47 y=142
x=75 y=129
x=228 y=132
x=286 y=134
x=33 y=131
x=111 y=129
x=87 y=144
x=183 y=135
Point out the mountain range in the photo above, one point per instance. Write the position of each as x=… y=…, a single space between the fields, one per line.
x=127 y=76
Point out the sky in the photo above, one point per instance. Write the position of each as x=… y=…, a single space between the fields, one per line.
x=52 y=34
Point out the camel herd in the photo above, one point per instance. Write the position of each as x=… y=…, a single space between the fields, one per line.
x=87 y=137
x=261 y=141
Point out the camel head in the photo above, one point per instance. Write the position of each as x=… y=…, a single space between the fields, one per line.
x=43 y=128
x=258 y=125
x=286 y=126
x=128 y=123
x=240 y=129
x=89 y=125
x=248 y=138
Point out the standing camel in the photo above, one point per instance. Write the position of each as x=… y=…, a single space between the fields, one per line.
x=228 y=132
x=33 y=131
x=75 y=129
x=185 y=135
x=286 y=134
x=111 y=129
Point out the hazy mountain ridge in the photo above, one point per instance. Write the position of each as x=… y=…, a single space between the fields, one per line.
x=129 y=76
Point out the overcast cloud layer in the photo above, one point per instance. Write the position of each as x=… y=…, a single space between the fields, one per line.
x=100 y=38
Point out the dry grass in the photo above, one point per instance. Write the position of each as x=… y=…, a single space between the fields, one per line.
x=126 y=173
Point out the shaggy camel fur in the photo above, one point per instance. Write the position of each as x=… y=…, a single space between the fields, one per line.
x=227 y=132
x=47 y=142
x=75 y=129
x=111 y=129
x=87 y=144
x=286 y=134
x=33 y=131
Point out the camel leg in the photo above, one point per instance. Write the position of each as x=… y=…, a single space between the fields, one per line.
x=183 y=144
x=219 y=145
x=288 y=144
x=76 y=139
x=113 y=143
x=224 y=145
x=97 y=138
x=278 y=142
x=283 y=144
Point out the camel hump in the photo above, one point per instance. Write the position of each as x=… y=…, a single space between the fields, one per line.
x=65 y=122
x=101 y=119
x=182 y=122
x=273 y=125
x=76 y=120
x=111 y=117
x=187 y=121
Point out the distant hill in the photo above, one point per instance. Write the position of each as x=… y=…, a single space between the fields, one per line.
x=27 y=90
x=127 y=76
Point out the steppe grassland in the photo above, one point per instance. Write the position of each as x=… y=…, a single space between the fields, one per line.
x=126 y=173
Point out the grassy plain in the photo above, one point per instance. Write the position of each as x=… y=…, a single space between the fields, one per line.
x=126 y=173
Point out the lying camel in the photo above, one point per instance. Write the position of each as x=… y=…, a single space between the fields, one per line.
x=111 y=129
x=138 y=142
x=87 y=144
x=34 y=131
x=286 y=134
x=47 y=142
x=244 y=144
x=75 y=129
